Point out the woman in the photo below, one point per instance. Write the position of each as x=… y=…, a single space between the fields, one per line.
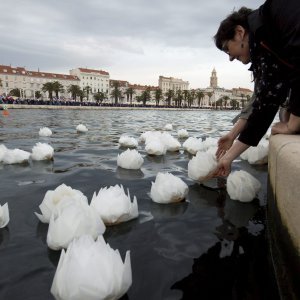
x=268 y=38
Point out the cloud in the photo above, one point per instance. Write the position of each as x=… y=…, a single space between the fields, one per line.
x=134 y=40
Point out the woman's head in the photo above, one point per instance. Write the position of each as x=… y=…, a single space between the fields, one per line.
x=232 y=35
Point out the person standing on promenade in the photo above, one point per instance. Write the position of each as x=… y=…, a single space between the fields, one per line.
x=269 y=38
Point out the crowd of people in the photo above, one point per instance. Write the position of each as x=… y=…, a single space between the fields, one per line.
x=64 y=102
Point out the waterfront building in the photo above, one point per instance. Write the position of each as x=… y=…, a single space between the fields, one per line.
x=123 y=85
x=171 y=83
x=131 y=92
x=213 y=93
x=29 y=82
x=239 y=92
x=214 y=79
x=92 y=81
x=139 y=89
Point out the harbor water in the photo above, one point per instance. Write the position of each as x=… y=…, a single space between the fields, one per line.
x=207 y=247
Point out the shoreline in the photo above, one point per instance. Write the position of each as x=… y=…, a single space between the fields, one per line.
x=70 y=107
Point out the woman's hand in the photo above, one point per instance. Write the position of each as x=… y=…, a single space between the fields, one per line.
x=226 y=141
x=291 y=127
x=224 y=165
x=280 y=128
x=224 y=144
x=223 y=168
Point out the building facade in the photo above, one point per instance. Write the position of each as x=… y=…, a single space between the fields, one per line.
x=136 y=92
x=94 y=80
x=213 y=93
x=214 y=79
x=29 y=82
x=171 y=83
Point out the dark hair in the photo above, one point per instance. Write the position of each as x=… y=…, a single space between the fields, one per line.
x=227 y=27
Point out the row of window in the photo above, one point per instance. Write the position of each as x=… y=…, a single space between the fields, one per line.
x=95 y=78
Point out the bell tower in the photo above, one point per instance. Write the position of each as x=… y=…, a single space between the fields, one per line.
x=214 y=79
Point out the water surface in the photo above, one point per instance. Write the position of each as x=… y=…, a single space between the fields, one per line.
x=208 y=247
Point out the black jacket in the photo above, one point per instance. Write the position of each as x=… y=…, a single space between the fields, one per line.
x=274 y=41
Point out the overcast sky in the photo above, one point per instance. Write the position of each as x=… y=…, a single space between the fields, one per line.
x=133 y=40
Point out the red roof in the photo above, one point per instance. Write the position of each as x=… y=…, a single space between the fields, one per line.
x=84 y=70
x=22 y=71
x=242 y=90
x=143 y=87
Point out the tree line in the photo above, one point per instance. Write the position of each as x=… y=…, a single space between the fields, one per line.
x=179 y=98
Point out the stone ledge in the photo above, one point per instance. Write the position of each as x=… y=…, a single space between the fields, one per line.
x=284 y=211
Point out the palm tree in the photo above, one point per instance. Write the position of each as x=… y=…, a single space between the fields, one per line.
x=209 y=95
x=81 y=94
x=226 y=98
x=219 y=102
x=129 y=93
x=37 y=94
x=57 y=88
x=178 y=98
x=169 y=96
x=74 y=89
x=15 y=92
x=243 y=101
x=99 y=97
x=185 y=96
x=158 y=96
x=191 y=97
x=87 y=91
x=234 y=104
x=248 y=97
x=199 y=95
x=48 y=87
x=145 y=96
x=116 y=93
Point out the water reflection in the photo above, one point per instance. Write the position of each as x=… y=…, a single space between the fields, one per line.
x=41 y=232
x=4 y=236
x=162 y=211
x=128 y=174
x=213 y=277
x=53 y=256
x=231 y=267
